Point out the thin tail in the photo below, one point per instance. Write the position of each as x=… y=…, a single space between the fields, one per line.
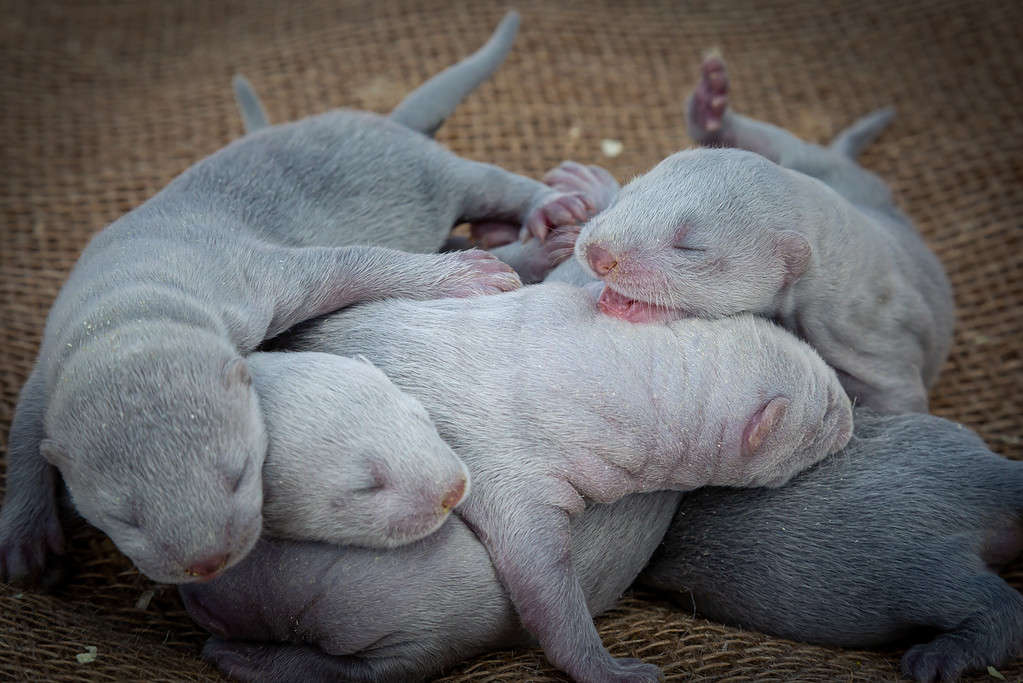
x=857 y=136
x=426 y=107
x=253 y=114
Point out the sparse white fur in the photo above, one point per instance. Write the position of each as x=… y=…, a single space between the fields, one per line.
x=572 y=404
x=352 y=459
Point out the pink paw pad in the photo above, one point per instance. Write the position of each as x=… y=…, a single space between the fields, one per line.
x=480 y=274
x=560 y=209
x=710 y=99
x=597 y=187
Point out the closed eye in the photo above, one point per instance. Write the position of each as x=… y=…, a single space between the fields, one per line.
x=374 y=483
x=683 y=238
x=368 y=490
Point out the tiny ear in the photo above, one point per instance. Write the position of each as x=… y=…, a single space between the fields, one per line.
x=54 y=453
x=794 y=251
x=762 y=423
x=236 y=373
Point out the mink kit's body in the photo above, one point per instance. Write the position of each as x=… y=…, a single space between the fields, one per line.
x=768 y=224
x=140 y=395
x=570 y=404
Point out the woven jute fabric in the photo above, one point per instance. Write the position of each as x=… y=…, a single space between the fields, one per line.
x=103 y=103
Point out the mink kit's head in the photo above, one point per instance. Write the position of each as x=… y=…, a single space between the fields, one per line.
x=162 y=450
x=352 y=458
x=707 y=232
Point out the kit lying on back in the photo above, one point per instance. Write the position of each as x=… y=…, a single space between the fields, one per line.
x=549 y=402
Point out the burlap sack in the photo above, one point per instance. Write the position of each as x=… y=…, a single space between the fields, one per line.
x=103 y=103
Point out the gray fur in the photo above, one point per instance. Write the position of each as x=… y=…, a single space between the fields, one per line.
x=140 y=395
x=352 y=459
x=253 y=115
x=790 y=231
x=426 y=108
x=851 y=141
x=894 y=538
x=550 y=260
x=404 y=614
x=548 y=402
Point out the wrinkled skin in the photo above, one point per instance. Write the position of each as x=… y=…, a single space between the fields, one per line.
x=563 y=405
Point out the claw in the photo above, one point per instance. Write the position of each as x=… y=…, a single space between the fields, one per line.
x=563 y=209
x=592 y=186
x=478 y=273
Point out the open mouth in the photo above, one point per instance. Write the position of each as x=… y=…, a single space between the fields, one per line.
x=620 y=306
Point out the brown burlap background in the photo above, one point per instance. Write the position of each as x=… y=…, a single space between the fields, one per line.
x=103 y=103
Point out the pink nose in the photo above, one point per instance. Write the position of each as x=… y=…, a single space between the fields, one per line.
x=601 y=260
x=207 y=567
x=454 y=496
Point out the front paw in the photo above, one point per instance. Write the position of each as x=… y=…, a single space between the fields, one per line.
x=628 y=670
x=592 y=182
x=561 y=244
x=26 y=543
x=476 y=273
x=556 y=209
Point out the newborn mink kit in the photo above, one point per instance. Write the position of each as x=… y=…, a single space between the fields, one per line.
x=440 y=463
x=141 y=397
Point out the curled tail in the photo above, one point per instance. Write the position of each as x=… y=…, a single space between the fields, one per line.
x=426 y=107
x=253 y=114
x=857 y=136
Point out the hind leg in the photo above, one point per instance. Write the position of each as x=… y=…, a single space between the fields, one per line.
x=525 y=527
x=712 y=123
x=30 y=529
x=991 y=635
x=248 y=661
